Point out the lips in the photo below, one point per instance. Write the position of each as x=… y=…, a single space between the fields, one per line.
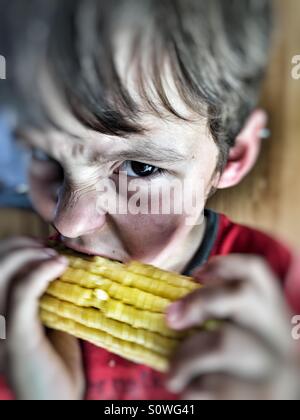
x=110 y=254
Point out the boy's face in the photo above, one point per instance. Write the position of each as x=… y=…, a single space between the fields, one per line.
x=66 y=170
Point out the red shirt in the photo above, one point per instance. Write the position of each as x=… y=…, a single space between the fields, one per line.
x=111 y=377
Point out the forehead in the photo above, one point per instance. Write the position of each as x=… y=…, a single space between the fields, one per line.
x=164 y=131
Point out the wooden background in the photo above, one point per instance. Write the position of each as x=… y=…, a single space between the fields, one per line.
x=270 y=197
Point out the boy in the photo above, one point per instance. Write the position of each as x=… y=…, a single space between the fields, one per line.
x=155 y=92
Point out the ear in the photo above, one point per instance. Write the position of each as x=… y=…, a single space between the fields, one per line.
x=244 y=154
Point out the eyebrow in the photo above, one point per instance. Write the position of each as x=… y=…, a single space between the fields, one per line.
x=146 y=152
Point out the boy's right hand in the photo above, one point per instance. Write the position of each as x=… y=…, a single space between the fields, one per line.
x=37 y=365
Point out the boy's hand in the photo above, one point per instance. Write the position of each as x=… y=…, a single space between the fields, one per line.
x=252 y=355
x=38 y=366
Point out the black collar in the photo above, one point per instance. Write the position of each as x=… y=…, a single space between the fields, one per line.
x=208 y=242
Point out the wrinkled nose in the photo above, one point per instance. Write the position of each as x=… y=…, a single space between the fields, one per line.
x=77 y=212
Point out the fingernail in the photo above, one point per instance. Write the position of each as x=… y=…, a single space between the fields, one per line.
x=203 y=274
x=50 y=252
x=174 y=312
x=199 y=272
x=62 y=260
x=206 y=268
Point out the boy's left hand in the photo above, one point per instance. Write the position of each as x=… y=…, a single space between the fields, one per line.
x=252 y=355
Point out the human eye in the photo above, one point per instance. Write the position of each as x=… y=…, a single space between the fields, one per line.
x=135 y=169
x=45 y=166
x=40 y=156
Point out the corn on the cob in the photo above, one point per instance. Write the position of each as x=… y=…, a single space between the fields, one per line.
x=118 y=307
x=129 y=295
x=126 y=278
x=130 y=351
x=94 y=319
x=172 y=279
x=113 y=309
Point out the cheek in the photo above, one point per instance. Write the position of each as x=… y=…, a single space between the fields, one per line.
x=43 y=194
x=145 y=236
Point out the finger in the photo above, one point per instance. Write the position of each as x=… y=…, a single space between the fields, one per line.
x=23 y=320
x=15 y=262
x=199 y=393
x=65 y=344
x=17 y=259
x=241 y=268
x=242 y=309
x=222 y=387
x=204 y=388
x=11 y=244
x=239 y=304
x=203 y=305
x=234 y=352
x=29 y=289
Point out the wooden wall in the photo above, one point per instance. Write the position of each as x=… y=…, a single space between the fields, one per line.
x=270 y=197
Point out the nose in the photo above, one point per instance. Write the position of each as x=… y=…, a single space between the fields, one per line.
x=77 y=212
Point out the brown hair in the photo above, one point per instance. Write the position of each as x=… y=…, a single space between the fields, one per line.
x=217 y=52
